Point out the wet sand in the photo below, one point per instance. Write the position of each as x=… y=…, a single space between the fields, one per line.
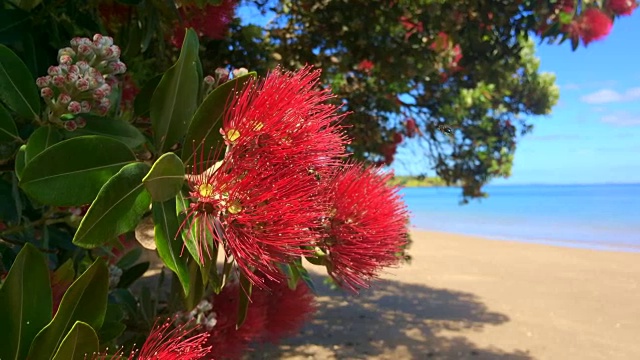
x=464 y=297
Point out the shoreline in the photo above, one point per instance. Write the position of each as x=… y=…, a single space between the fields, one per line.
x=571 y=244
x=466 y=297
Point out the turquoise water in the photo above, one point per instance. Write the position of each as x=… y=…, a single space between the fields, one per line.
x=604 y=217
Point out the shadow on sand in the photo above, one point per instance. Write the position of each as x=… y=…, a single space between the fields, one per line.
x=391 y=321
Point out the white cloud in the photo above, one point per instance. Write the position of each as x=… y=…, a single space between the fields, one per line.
x=622 y=119
x=605 y=96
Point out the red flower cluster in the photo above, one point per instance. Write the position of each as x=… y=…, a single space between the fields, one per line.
x=211 y=21
x=592 y=25
x=621 y=7
x=167 y=342
x=410 y=26
x=366 y=226
x=272 y=315
x=365 y=66
x=267 y=201
x=453 y=52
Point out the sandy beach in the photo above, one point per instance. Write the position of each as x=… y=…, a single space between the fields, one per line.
x=472 y=298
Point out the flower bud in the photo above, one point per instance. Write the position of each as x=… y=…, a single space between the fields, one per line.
x=239 y=72
x=65 y=59
x=53 y=70
x=70 y=125
x=64 y=98
x=222 y=74
x=43 y=81
x=83 y=66
x=74 y=107
x=58 y=80
x=46 y=93
x=209 y=80
x=82 y=84
x=117 y=67
x=81 y=122
x=85 y=50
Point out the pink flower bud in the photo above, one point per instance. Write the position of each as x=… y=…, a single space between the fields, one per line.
x=82 y=84
x=64 y=98
x=117 y=67
x=74 y=69
x=58 y=80
x=74 y=107
x=105 y=102
x=72 y=77
x=65 y=59
x=46 y=93
x=116 y=51
x=209 y=80
x=102 y=110
x=66 y=51
x=70 y=125
x=43 y=81
x=98 y=94
x=83 y=66
x=222 y=74
x=53 y=70
x=97 y=38
x=84 y=50
x=85 y=107
x=239 y=72
x=81 y=122
x=75 y=41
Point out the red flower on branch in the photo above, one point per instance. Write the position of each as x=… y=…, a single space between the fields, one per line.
x=261 y=202
x=365 y=66
x=366 y=227
x=621 y=7
x=211 y=21
x=593 y=25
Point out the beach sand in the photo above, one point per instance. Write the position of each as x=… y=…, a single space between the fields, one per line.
x=464 y=297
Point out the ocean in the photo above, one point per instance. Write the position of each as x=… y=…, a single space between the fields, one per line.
x=601 y=217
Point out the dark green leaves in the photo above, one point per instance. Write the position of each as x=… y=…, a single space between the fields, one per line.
x=72 y=172
x=168 y=242
x=42 y=138
x=175 y=99
x=17 y=88
x=81 y=341
x=8 y=130
x=117 y=209
x=25 y=303
x=165 y=178
x=204 y=130
x=112 y=128
x=85 y=300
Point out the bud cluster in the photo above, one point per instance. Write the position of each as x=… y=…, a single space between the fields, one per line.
x=221 y=76
x=201 y=315
x=82 y=81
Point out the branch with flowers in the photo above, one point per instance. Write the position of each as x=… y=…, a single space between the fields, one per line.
x=266 y=184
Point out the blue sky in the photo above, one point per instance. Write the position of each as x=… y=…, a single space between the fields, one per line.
x=593 y=134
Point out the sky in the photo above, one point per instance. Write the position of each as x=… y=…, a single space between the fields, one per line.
x=593 y=133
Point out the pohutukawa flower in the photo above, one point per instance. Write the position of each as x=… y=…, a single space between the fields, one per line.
x=366 y=227
x=621 y=7
x=211 y=21
x=594 y=25
x=262 y=216
x=285 y=120
x=164 y=343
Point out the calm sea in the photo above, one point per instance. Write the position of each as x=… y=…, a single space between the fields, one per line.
x=605 y=217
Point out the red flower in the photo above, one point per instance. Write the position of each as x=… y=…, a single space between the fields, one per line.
x=179 y=343
x=441 y=42
x=261 y=202
x=594 y=25
x=365 y=65
x=129 y=92
x=286 y=309
x=410 y=26
x=211 y=22
x=227 y=341
x=397 y=138
x=621 y=7
x=410 y=126
x=366 y=227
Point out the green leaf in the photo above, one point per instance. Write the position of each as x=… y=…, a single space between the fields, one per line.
x=245 y=298
x=79 y=343
x=165 y=178
x=130 y=275
x=85 y=300
x=142 y=103
x=175 y=99
x=204 y=132
x=197 y=286
x=73 y=171
x=168 y=242
x=190 y=227
x=117 y=209
x=303 y=274
x=130 y=258
x=8 y=130
x=112 y=327
x=26 y=4
x=41 y=139
x=17 y=87
x=25 y=303
x=21 y=161
x=112 y=128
